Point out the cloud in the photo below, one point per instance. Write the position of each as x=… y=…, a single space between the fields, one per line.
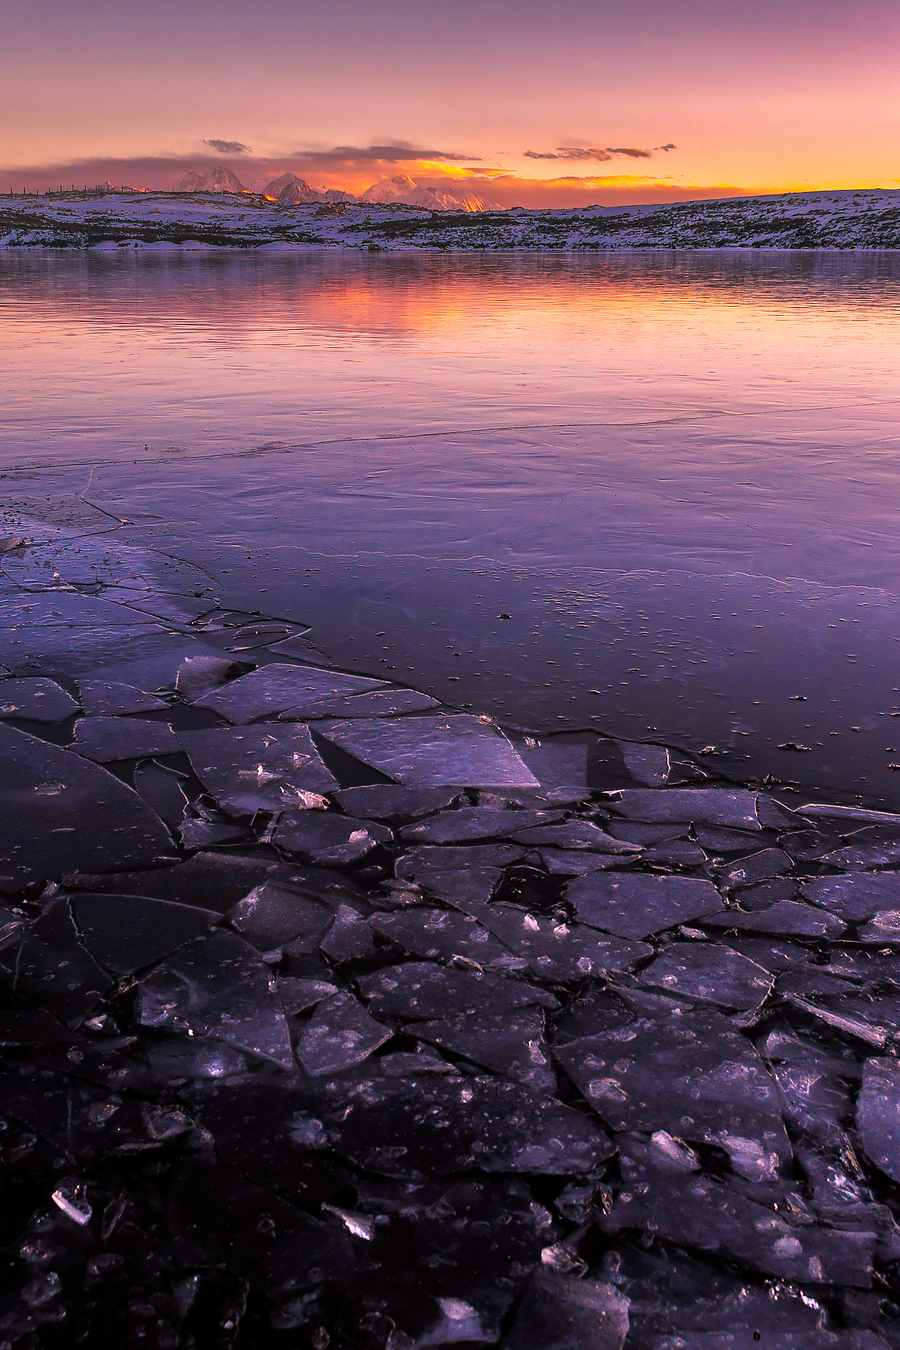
x=591 y=153
x=228 y=147
x=400 y=152
x=666 y=147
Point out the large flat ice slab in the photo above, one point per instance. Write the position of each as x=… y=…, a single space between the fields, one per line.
x=265 y=768
x=281 y=687
x=433 y=751
x=60 y=813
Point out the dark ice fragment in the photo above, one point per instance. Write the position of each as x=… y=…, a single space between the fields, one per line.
x=420 y=989
x=276 y=687
x=218 y=987
x=266 y=768
x=37 y=700
x=298 y=993
x=271 y=915
x=195 y=1057
x=575 y=834
x=125 y=933
x=636 y=906
x=787 y=917
x=691 y=1074
x=857 y=856
x=340 y=1035
x=325 y=837
x=561 y=862
x=55 y=970
x=675 y=853
x=108 y=738
x=80 y=1120
x=814 y=1088
x=717 y=840
x=475 y=822
x=106 y=698
x=377 y=703
x=756 y=867
x=509 y=1043
x=33 y=1028
x=58 y=812
x=391 y=802
x=350 y=937
x=559 y=951
x=808 y=845
x=199 y=834
x=433 y=751
x=161 y=790
x=702 y=1213
x=216 y=880
x=640 y=832
x=768 y=893
x=474 y=885
x=421 y=863
x=438 y=1126
x=561 y=1312
x=734 y=808
x=560 y=768
x=878 y=1114
x=854 y=898
x=439 y=934
x=648 y=764
x=710 y=974
x=883 y=927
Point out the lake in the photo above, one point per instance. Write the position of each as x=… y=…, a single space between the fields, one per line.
x=655 y=494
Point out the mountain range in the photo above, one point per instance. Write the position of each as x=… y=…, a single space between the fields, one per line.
x=289 y=190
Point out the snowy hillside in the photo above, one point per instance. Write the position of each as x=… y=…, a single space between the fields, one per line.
x=868 y=219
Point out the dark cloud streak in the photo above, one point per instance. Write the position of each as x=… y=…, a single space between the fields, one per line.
x=593 y=153
x=228 y=147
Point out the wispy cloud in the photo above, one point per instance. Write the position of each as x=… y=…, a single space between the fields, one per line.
x=595 y=153
x=228 y=147
x=400 y=152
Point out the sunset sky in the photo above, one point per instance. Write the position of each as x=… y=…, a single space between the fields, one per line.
x=532 y=104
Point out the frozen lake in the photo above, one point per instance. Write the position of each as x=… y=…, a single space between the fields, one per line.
x=655 y=494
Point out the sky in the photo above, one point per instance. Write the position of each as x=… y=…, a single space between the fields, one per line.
x=520 y=102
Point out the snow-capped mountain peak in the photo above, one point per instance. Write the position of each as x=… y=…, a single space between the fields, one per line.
x=217 y=179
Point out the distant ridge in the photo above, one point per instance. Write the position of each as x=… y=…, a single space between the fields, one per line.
x=217 y=179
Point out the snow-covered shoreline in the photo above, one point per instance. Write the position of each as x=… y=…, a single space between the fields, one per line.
x=864 y=219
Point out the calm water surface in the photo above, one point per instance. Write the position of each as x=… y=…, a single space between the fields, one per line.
x=677 y=474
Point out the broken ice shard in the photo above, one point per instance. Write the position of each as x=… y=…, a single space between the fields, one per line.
x=878 y=1114
x=325 y=837
x=854 y=898
x=475 y=822
x=691 y=1074
x=125 y=933
x=275 y=688
x=435 y=1126
x=433 y=751
x=59 y=812
x=37 y=700
x=389 y=801
x=638 y=905
x=649 y=764
x=770 y=862
x=106 y=698
x=265 y=768
x=705 y=1214
x=509 y=1043
x=108 y=738
x=272 y=915
x=710 y=974
x=561 y=1312
x=555 y=950
x=376 y=703
x=574 y=834
x=419 y=989
x=734 y=808
x=218 y=987
x=787 y=918
x=440 y=935
x=54 y=969
x=340 y=1035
